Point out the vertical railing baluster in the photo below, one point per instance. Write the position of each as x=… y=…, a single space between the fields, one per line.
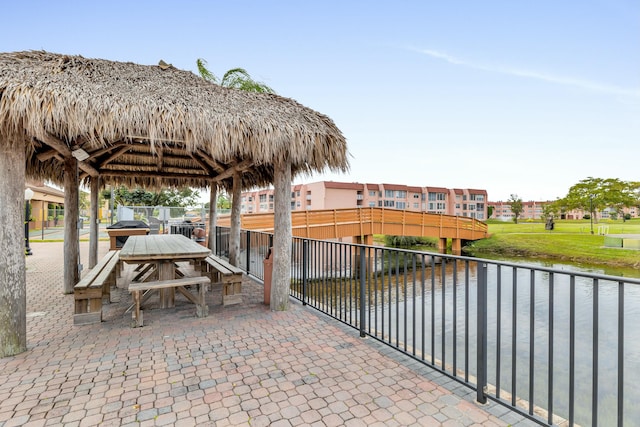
x=514 y=329
x=550 y=353
x=423 y=307
x=248 y=254
x=594 y=357
x=397 y=274
x=532 y=336
x=390 y=299
x=466 y=321
x=498 y=329
x=443 y=286
x=620 y=353
x=404 y=302
x=305 y=260
x=455 y=318
x=572 y=346
x=413 y=301
x=363 y=283
x=433 y=310
x=481 y=345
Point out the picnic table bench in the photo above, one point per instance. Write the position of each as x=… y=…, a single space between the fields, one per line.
x=142 y=290
x=94 y=288
x=221 y=272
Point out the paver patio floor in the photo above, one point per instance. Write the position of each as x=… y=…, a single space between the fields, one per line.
x=241 y=365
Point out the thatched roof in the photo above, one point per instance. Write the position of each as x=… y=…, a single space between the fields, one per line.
x=154 y=125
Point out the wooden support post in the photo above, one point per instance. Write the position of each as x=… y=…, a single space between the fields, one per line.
x=234 y=232
x=442 y=245
x=456 y=246
x=281 y=276
x=213 y=213
x=13 y=286
x=93 y=222
x=71 y=211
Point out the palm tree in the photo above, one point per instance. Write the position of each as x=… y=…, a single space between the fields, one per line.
x=237 y=78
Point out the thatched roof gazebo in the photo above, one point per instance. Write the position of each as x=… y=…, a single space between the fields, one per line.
x=75 y=120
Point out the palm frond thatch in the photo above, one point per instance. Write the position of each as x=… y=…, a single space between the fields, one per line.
x=154 y=126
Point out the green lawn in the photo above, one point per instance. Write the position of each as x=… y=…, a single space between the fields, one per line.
x=569 y=241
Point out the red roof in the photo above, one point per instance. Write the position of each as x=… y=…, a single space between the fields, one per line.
x=343 y=185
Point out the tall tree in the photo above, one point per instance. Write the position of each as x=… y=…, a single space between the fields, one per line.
x=594 y=194
x=516 y=206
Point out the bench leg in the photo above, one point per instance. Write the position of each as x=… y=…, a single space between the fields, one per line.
x=137 y=313
x=202 y=310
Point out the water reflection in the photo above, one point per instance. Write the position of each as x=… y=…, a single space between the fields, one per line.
x=527 y=310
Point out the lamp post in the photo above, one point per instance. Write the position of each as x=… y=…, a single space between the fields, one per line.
x=28 y=194
x=591 y=211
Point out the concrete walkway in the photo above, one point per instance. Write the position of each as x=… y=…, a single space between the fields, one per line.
x=241 y=365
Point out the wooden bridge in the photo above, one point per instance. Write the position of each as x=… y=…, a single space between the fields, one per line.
x=362 y=223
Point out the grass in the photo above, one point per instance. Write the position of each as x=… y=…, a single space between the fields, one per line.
x=569 y=241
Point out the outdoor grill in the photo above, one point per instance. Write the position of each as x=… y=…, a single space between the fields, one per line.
x=121 y=230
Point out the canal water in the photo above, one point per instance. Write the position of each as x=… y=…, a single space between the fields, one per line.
x=527 y=302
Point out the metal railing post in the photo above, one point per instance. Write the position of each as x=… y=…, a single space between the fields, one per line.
x=248 y=249
x=482 y=334
x=363 y=284
x=305 y=260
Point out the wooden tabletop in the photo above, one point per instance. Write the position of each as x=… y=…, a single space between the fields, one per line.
x=161 y=246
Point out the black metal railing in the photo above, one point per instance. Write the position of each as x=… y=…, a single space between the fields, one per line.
x=549 y=343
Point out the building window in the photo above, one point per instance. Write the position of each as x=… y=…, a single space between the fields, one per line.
x=372 y=204
x=416 y=205
x=263 y=198
x=388 y=203
x=401 y=205
x=388 y=194
x=401 y=194
x=432 y=197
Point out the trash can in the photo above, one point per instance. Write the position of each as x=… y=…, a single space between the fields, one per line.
x=121 y=230
x=268 y=272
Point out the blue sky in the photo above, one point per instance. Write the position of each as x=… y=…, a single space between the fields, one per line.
x=516 y=97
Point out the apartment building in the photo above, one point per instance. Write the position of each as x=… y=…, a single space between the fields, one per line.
x=535 y=210
x=335 y=195
x=530 y=210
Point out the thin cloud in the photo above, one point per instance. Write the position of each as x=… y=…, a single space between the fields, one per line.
x=567 y=81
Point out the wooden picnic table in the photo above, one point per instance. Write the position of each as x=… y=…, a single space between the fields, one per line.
x=163 y=251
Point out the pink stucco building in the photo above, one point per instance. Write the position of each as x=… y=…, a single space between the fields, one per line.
x=471 y=203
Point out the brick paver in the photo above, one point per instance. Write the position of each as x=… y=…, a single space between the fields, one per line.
x=241 y=365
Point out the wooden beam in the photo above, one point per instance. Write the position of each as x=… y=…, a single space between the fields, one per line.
x=100 y=152
x=153 y=174
x=65 y=151
x=46 y=155
x=113 y=156
x=203 y=165
x=215 y=165
x=240 y=167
